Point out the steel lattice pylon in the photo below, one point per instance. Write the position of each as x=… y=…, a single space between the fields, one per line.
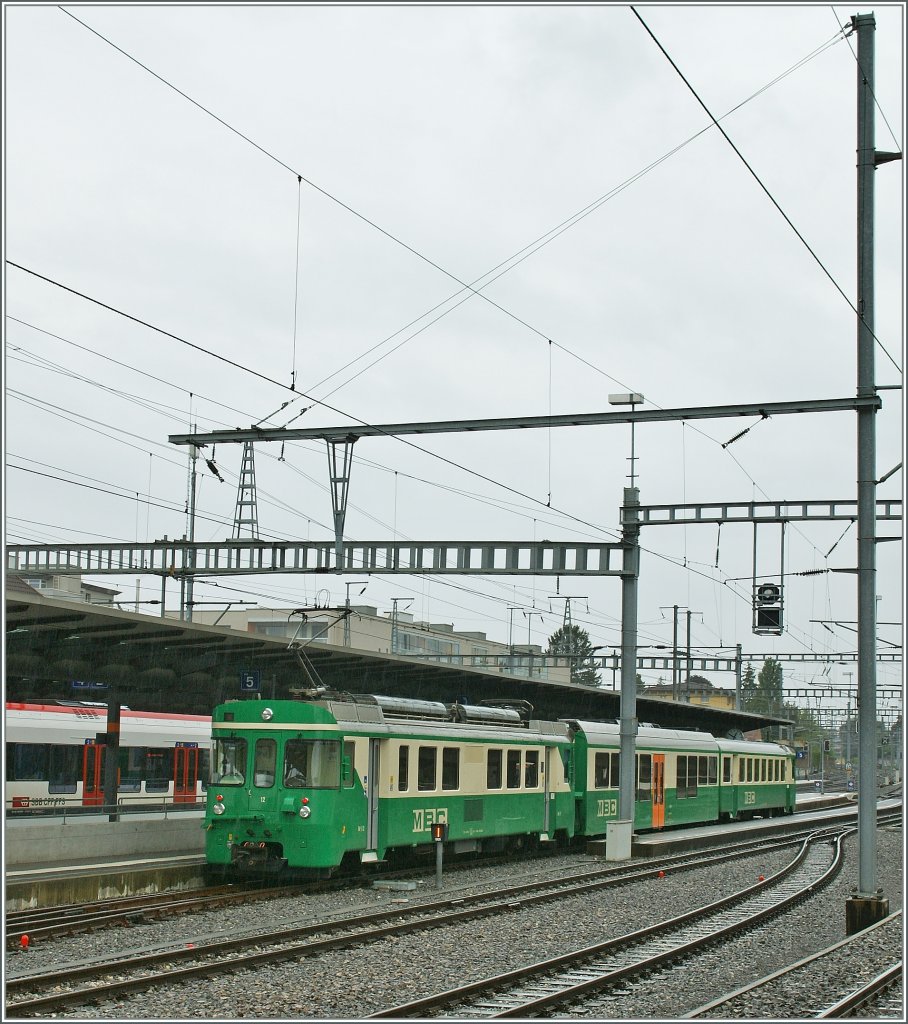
x=246 y=514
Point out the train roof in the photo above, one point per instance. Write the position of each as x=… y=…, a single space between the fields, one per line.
x=682 y=739
x=752 y=747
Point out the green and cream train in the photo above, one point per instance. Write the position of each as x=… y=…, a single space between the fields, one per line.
x=306 y=785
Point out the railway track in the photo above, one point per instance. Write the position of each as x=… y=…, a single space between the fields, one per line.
x=64 y=988
x=881 y=997
x=45 y=923
x=73 y=918
x=541 y=988
x=829 y=975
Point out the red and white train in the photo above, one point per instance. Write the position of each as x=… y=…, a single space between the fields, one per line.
x=55 y=755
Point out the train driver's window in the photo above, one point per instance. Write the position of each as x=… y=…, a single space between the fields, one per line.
x=726 y=769
x=403 y=769
x=531 y=769
x=228 y=765
x=427 y=768
x=493 y=770
x=265 y=761
x=514 y=769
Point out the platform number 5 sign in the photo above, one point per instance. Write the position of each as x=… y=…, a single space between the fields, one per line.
x=251 y=680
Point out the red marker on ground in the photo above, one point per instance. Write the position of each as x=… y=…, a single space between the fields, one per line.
x=23 y=942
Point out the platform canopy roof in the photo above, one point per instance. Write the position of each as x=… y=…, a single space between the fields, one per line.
x=154 y=663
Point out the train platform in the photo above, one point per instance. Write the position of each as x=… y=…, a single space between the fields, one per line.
x=81 y=858
x=818 y=809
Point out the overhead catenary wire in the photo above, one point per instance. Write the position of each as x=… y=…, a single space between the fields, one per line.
x=769 y=195
x=550 y=350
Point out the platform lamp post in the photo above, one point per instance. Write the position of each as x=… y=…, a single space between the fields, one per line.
x=620 y=832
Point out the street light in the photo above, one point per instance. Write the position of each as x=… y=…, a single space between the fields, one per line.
x=631 y=398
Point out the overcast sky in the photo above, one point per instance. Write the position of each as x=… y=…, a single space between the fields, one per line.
x=437 y=143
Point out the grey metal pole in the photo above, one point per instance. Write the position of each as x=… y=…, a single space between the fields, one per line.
x=630 y=529
x=190 y=582
x=676 y=673
x=112 y=758
x=866 y=906
x=865 y=26
x=738 y=678
x=439 y=856
x=687 y=672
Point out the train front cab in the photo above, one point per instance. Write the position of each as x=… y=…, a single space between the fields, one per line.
x=373 y=785
x=283 y=792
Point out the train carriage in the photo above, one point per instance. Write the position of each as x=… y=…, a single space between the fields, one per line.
x=306 y=785
x=55 y=755
x=756 y=778
x=675 y=776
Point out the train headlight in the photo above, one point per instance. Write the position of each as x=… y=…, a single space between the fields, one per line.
x=218 y=807
x=305 y=811
x=267 y=714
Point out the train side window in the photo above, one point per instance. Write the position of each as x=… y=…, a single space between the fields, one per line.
x=687 y=776
x=26 y=762
x=703 y=773
x=726 y=769
x=778 y=771
x=493 y=770
x=65 y=769
x=681 y=776
x=265 y=763
x=513 y=769
x=613 y=770
x=750 y=769
x=741 y=769
x=427 y=768
x=531 y=769
x=764 y=772
x=600 y=771
x=567 y=761
x=712 y=768
x=132 y=760
x=158 y=769
x=644 y=777
x=450 y=768
x=403 y=769
x=349 y=775
x=204 y=768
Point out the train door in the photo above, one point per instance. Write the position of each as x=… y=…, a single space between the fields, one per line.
x=185 y=772
x=548 y=795
x=92 y=774
x=371 y=787
x=658 y=790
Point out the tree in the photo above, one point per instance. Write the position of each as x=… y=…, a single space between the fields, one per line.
x=573 y=644
x=763 y=696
